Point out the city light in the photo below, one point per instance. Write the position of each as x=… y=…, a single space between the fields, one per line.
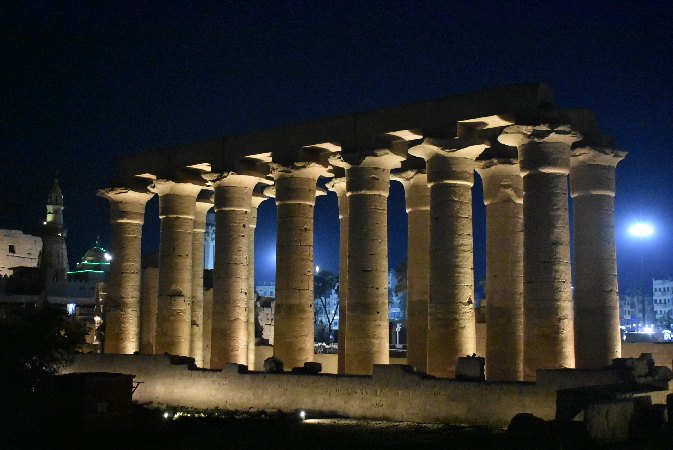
x=641 y=230
x=317 y=269
x=302 y=415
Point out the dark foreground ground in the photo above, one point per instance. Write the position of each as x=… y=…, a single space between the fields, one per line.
x=150 y=429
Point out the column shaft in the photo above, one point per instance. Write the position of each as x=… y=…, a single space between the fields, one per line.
x=451 y=318
x=201 y=210
x=174 y=309
x=367 y=322
x=122 y=303
x=504 y=269
x=596 y=298
x=544 y=160
x=418 y=260
x=548 y=333
x=338 y=185
x=293 y=321
x=229 y=342
x=252 y=319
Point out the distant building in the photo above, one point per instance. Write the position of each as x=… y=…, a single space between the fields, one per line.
x=266 y=289
x=662 y=296
x=636 y=309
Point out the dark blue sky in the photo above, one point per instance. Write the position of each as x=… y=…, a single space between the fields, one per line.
x=84 y=83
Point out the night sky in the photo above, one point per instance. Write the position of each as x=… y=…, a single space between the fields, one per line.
x=85 y=83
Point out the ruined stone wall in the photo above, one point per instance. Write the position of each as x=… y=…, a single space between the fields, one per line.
x=392 y=392
x=18 y=249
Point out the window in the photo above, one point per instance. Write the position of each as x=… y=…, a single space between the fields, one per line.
x=12 y=249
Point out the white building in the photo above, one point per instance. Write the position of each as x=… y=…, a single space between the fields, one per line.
x=662 y=295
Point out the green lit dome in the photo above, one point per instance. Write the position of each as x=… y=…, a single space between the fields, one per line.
x=96 y=258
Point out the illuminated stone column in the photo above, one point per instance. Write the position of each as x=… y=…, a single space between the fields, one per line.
x=233 y=200
x=295 y=193
x=417 y=195
x=451 y=318
x=596 y=297
x=544 y=160
x=203 y=205
x=174 y=308
x=503 y=197
x=338 y=185
x=122 y=302
x=256 y=201
x=367 y=187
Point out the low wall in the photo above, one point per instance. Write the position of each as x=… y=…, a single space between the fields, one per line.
x=329 y=361
x=392 y=392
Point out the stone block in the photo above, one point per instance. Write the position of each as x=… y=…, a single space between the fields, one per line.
x=662 y=373
x=649 y=359
x=470 y=368
x=313 y=368
x=273 y=365
x=608 y=422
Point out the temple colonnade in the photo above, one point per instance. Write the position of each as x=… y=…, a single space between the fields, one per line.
x=525 y=159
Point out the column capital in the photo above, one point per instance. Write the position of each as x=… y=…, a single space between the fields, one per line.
x=501 y=180
x=245 y=179
x=301 y=169
x=126 y=204
x=462 y=147
x=338 y=186
x=381 y=158
x=592 y=171
x=542 y=148
x=601 y=156
x=518 y=135
x=416 y=190
x=257 y=199
x=163 y=187
x=450 y=161
x=125 y=195
x=204 y=202
x=233 y=190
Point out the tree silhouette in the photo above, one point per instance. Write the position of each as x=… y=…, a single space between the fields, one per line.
x=323 y=284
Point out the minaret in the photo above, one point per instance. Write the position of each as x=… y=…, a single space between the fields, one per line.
x=54 y=260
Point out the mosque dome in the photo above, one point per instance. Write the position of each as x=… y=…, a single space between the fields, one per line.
x=96 y=258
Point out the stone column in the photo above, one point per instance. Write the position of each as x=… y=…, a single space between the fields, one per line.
x=233 y=200
x=338 y=185
x=367 y=187
x=256 y=201
x=544 y=160
x=295 y=193
x=503 y=197
x=174 y=308
x=203 y=205
x=451 y=318
x=596 y=297
x=122 y=303
x=417 y=195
